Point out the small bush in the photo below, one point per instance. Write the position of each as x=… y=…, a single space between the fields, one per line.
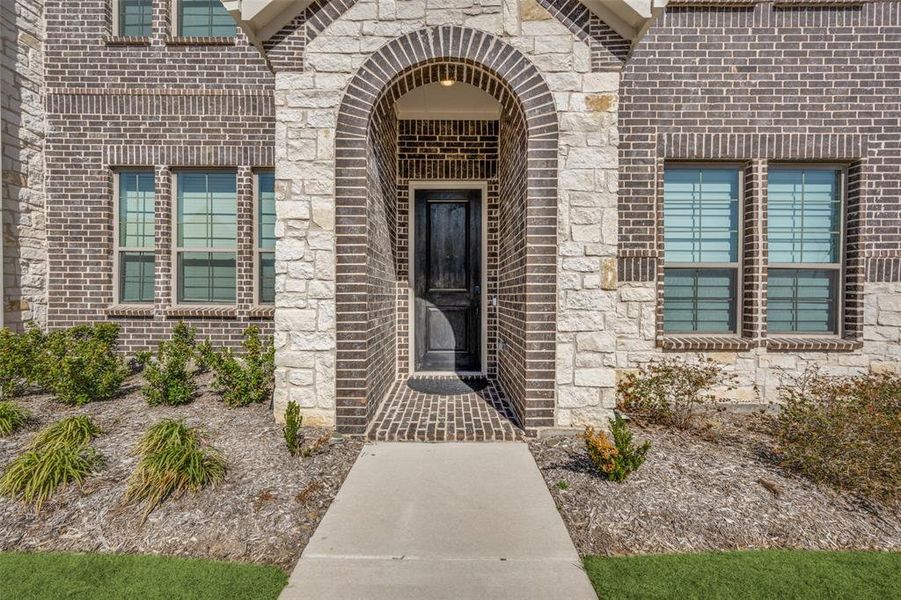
x=246 y=380
x=174 y=460
x=80 y=364
x=18 y=359
x=291 y=430
x=669 y=392
x=844 y=431
x=58 y=455
x=168 y=377
x=614 y=460
x=12 y=417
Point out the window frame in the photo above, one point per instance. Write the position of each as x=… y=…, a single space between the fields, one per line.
x=176 y=23
x=118 y=248
x=840 y=266
x=257 y=250
x=117 y=22
x=738 y=305
x=176 y=250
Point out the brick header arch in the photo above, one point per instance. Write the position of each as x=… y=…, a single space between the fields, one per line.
x=487 y=62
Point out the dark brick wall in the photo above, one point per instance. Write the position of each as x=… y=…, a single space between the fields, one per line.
x=766 y=82
x=162 y=104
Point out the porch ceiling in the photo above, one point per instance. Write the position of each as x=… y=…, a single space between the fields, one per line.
x=262 y=19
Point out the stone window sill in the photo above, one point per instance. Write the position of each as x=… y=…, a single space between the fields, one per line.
x=266 y=311
x=205 y=312
x=713 y=343
x=201 y=41
x=130 y=310
x=814 y=344
x=124 y=40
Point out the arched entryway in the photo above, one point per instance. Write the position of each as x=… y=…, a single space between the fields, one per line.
x=372 y=277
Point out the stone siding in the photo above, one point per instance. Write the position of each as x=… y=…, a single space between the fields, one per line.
x=23 y=235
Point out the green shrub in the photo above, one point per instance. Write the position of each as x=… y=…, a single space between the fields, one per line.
x=19 y=355
x=58 y=455
x=617 y=459
x=844 y=431
x=669 y=392
x=291 y=430
x=168 y=377
x=174 y=460
x=80 y=364
x=12 y=417
x=246 y=380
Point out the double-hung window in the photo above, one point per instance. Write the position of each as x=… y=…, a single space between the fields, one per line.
x=133 y=17
x=206 y=232
x=265 y=238
x=701 y=207
x=204 y=18
x=135 y=199
x=804 y=241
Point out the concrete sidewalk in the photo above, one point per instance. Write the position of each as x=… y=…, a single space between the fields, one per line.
x=435 y=521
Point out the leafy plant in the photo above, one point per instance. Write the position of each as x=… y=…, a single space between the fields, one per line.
x=618 y=458
x=174 y=460
x=563 y=485
x=12 y=417
x=18 y=359
x=246 y=380
x=80 y=364
x=844 y=431
x=291 y=430
x=168 y=377
x=669 y=392
x=58 y=455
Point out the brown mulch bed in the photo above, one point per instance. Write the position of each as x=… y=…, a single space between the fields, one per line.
x=712 y=489
x=264 y=512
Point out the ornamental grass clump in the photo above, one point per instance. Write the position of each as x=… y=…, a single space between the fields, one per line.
x=81 y=364
x=618 y=458
x=12 y=417
x=248 y=379
x=175 y=459
x=168 y=375
x=670 y=392
x=58 y=455
x=844 y=431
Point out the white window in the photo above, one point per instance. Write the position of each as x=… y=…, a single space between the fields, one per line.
x=204 y=18
x=264 y=247
x=134 y=236
x=132 y=18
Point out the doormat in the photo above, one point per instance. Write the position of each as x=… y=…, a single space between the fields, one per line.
x=447 y=386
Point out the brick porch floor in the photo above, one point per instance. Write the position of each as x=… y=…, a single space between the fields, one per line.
x=410 y=415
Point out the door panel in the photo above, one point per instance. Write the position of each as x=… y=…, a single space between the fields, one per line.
x=447 y=280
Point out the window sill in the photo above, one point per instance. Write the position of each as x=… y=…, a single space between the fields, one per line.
x=262 y=312
x=205 y=311
x=711 y=343
x=130 y=310
x=125 y=40
x=201 y=41
x=814 y=344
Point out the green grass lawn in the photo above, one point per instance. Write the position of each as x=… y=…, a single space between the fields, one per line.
x=27 y=576
x=781 y=574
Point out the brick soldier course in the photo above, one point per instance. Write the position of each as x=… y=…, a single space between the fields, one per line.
x=573 y=171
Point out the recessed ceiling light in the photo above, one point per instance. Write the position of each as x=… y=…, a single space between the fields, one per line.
x=447 y=82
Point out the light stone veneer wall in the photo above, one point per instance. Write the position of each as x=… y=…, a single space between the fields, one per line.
x=760 y=373
x=23 y=234
x=306 y=110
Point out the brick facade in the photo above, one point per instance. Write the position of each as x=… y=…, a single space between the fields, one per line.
x=163 y=103
x=573 y=171
x=807 y=84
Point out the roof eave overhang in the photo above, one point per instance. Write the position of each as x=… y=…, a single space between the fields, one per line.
x=262 y=19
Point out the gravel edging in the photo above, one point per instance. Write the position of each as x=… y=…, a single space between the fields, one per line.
x=264 y=512
x=696 y=494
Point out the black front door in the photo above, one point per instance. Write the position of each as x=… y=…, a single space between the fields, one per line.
x=447 y=280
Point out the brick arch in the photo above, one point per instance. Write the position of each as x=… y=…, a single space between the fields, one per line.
x=487 y=62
